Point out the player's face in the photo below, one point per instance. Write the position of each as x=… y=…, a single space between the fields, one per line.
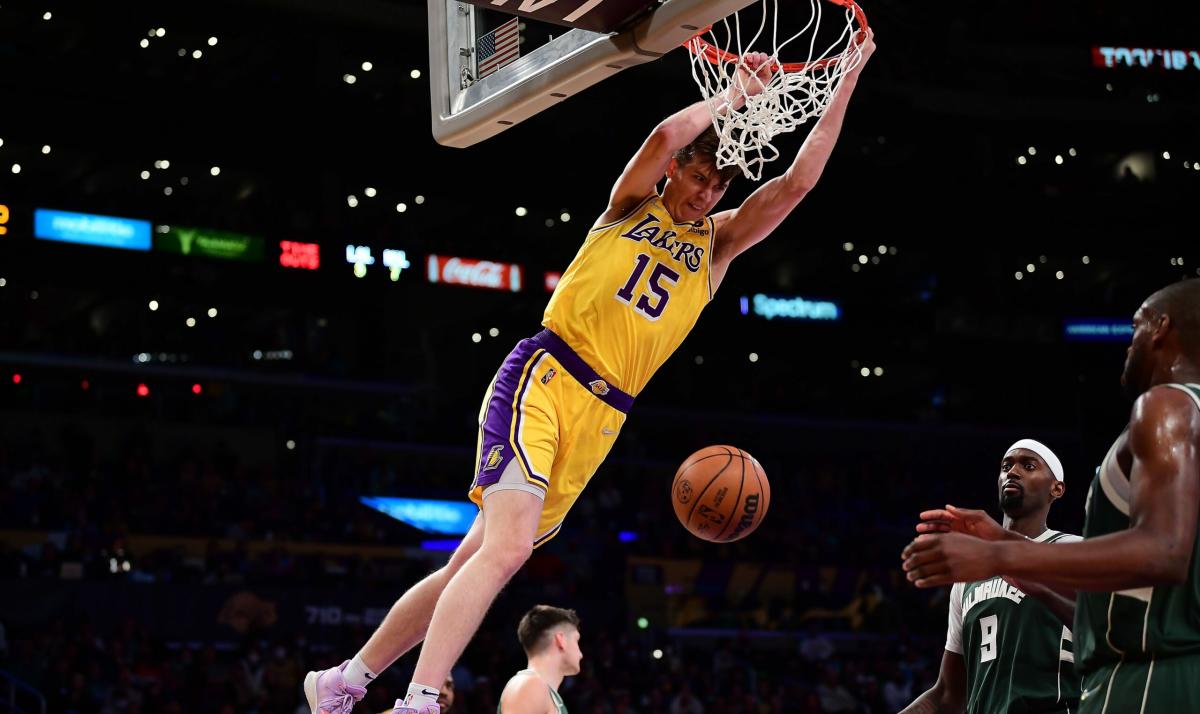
x=572 y=654
x=446 y=696
x=1026 y=483
x=692 y=189
x=1139 y=367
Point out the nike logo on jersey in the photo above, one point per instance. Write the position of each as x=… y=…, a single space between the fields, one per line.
x=608 y=432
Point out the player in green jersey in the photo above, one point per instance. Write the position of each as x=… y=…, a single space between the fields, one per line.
x=1137 y=618
x=1007 y=652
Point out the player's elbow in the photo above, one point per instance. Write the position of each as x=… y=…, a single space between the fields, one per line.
x=1170 y=567
x=798 y=183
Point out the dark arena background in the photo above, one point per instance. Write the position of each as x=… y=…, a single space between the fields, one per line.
x=195 y=430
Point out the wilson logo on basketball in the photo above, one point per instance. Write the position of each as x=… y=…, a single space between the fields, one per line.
x=748 y=513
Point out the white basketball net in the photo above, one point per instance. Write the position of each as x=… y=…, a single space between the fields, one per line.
x=789 y=99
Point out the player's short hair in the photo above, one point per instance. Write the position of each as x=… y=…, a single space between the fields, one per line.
x=704 y=148
x=1181 y=301
x=537 y=624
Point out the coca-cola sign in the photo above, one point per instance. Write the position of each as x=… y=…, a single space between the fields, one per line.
x=474 y=273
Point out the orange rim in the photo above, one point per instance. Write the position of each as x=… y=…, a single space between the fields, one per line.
x=715 y=55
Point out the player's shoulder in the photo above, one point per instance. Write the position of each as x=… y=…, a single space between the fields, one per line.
x=524 y=689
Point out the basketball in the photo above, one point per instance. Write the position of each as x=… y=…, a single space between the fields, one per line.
x=720 y=494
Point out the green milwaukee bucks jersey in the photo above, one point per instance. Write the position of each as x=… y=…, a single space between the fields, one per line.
x=1017 y=653
x=1134 y=633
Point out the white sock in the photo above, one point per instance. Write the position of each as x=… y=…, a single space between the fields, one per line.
x=358 y=673
x=419 y=695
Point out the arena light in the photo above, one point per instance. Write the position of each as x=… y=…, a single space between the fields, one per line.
x=369 y=191
x=290 y=445
x=415 y=74
x=1021 y=160
x=431 y=516
x=45 y=148
x=699 y=359
x=564 y=217
x=197 y=54
x=212 y=312
x=47 y=15
x=419 y=200
x=349 y=78
x=215 y=171
x=865 y=371
x=1060 y=275
x=753 y=356
x=1018 y=275
x=476 y=337
x=878 y=371
x=1032 y=151
x=883 y=250
x=862 y=259
x=145 y=175
x=1166 y=155
x=367 y=66
x=153 y=306
x=161 y=32
x=197 y=389
x=494 y=332
x=190 y=322
x=1029 y=267
x=168 y=191
x=642 y=623
x=1086 y=260
x=16 y=168
x=521 y=211
x=16 y=378
x=212 y=42
x=1071 y=152
x=401 y=207
x=143 y=390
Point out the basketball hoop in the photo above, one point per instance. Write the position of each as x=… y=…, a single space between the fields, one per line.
x=795 y=92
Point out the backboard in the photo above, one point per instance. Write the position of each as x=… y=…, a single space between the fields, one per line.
x=481 y=83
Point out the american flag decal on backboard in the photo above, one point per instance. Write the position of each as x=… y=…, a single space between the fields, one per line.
x=497 y=48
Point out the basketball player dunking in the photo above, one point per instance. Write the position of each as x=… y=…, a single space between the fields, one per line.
x=649 y=265
x=1137 y=613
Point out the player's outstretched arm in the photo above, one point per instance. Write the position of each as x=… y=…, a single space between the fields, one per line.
x=948 y=695
x=646 y=168
x=740 y=228
x=1164 y=438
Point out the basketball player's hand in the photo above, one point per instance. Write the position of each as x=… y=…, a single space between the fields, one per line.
x=967 y=521
x=933 y=560
x=754 y=72
x=866 y=45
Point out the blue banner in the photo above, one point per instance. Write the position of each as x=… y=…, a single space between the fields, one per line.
x=791 y=308
x=1097 y=330
x=88 y=229
x=444 y=517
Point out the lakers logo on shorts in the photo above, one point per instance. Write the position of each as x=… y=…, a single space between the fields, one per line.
x=599 y=387
x=549 y=375
x=493 y=457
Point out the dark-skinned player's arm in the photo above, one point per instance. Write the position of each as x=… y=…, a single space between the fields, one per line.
x=948 y=695
x=646 y=168
x=973 y=522
x=1164 y=433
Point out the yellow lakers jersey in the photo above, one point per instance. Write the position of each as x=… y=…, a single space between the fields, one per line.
x=633 y=292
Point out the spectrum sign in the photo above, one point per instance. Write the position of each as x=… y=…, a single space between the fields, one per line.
x=791 y=308
x=474 y=273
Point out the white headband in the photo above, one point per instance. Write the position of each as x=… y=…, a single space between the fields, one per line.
x=1041 y=450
